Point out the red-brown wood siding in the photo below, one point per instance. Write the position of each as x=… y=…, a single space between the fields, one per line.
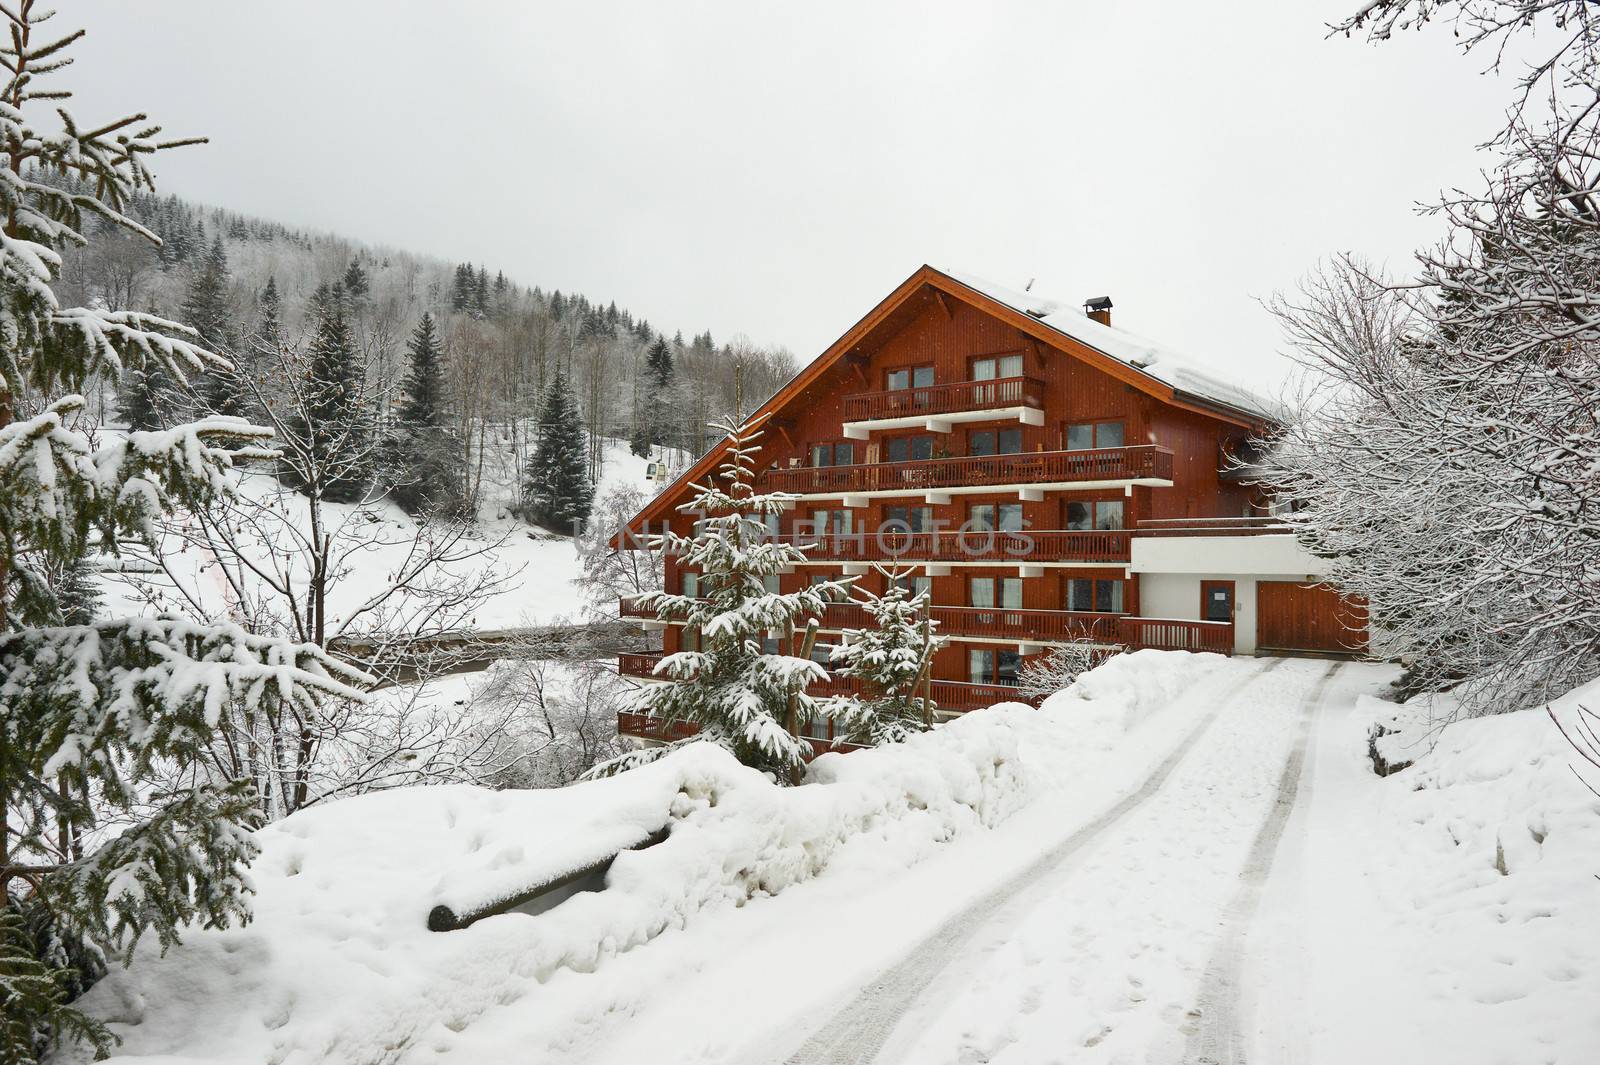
x=1308 y=617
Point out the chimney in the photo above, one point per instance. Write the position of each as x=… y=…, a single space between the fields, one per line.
x=1098 y=308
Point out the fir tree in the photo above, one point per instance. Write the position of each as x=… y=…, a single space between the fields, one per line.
x=209 y=311
x=335 y=426
x=425 y=455
x=556 y=491
x=739 y=696
x=655 y=405
x=891 y=661
x=355 y=280
x=268 y=334
x=115 y=709
x=461 y=290
x=142 y=400
x=480 y=291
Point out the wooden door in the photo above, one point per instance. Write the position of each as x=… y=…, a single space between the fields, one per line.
x=1308 y=617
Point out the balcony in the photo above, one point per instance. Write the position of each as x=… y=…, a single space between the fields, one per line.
x=1030 y=472
x=937 y=407
x=1022 y=627
x=977 y=547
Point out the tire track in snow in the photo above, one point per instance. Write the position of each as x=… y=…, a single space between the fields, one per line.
x=1217 y=1039
x=855 y=1034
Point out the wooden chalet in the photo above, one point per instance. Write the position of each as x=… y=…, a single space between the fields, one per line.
x=1047 y=475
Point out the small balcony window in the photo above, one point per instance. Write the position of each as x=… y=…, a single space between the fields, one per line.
x=842 y=454
x=989 y=369
x=994 y=442
x=1101 y=514
x=910 y=377
x=1091 y=435
x=1095 y=596
x=909 y=448
x=995 y=517
x=908 y=519
x=981 y=592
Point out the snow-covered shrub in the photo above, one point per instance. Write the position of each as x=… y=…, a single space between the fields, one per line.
x=1041 y=676
x=891 y=660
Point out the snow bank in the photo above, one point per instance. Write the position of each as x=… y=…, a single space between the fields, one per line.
x=1122 y=692
x=1481 y=939
x=338 y=966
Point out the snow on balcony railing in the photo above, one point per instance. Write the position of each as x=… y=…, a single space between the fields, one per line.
x=945 y=399
x=1145 y=462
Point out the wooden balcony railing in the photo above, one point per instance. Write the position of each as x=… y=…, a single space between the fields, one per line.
x=945 y=399
x=1147 y=461
x=1169 y=634
x=634 y=664
x=973 y=545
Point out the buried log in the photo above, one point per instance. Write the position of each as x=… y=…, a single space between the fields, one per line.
x=443 y=919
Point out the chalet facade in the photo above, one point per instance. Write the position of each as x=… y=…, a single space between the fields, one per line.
x=1047 y=476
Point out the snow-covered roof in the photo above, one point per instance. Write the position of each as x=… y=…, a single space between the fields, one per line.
x=1183 y=372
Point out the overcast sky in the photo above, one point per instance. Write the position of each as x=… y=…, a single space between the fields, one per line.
x=774 y=169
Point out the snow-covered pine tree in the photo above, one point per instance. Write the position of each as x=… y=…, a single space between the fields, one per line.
x=741 y=695
x=335 y=428
x=556 y=490
x=142 y=399
x=208 y=309
x=425 y=455
x=655 y=405
x=94 y=709
x=891 y=660
x=355 y=280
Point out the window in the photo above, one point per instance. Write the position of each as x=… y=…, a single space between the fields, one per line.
x=835 y=522
x=993 y=667
x=833 y=454
x=914 y=585
x=1098 y=596
x=814 y=727
x=980 y=666
x=1091 y=435
x=910 y=377
x=994 y=442
x=770 y=583
x=910 y=448
x=821 y=578
x=771 y=645
x=821 y=653
x=995 y=517
x=690 y=584
x=773 y=523
x=981 y=592
x=690 y=639
x=1006 y=666
x=1101 y=514
x=914 y=519
x=988 y=369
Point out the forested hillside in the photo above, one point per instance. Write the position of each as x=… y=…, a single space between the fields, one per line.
x=250 y=285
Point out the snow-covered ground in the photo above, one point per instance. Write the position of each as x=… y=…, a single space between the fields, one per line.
x=542 y=571
x=1181 y=858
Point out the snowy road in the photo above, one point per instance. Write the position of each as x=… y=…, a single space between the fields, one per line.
x=1102 y=923
x=857 y=1033
x=1126 y=938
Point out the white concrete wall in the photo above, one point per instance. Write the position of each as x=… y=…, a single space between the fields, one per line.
x=1279 y=554
x=1171 y=568
x=1177 y=595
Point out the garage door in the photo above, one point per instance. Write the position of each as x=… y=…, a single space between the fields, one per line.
x=1308 y=617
